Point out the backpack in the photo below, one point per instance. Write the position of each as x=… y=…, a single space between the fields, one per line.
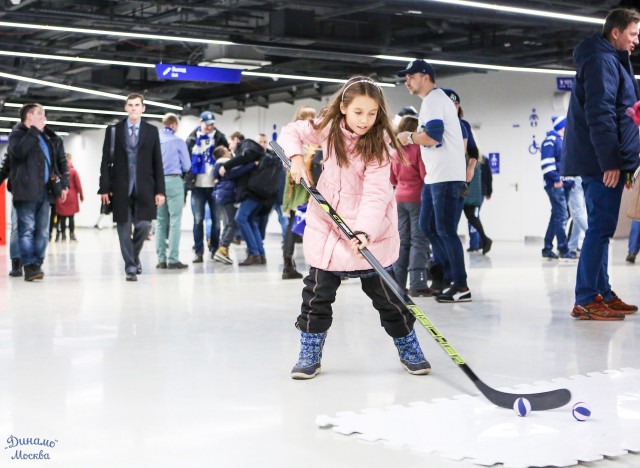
x=267 y=177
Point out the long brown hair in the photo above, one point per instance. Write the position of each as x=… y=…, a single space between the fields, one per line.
x=372 y=145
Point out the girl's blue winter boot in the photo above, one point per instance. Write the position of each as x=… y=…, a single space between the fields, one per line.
x=411 y=355
x=308 y=365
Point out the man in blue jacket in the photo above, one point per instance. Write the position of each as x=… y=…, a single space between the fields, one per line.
x=551 y=153
x=602 y=146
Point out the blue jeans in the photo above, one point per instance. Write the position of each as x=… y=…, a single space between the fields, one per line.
x=557 y=221
x=634 y=237
x=439 y=216
x=14 y=248
x=248 y=222
x=578 y=211
x=201 y=196
x=282 y=219
x=33 y=229
x=603 y=207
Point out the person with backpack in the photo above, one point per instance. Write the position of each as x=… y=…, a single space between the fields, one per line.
x=255 y=190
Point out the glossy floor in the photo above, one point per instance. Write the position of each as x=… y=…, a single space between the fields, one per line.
x=191 y=368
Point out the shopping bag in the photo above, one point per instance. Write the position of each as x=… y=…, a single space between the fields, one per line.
x=299 y=220
x=633 y=211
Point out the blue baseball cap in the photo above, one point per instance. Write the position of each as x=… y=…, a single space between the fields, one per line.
x=455 y=97
x=207 y=117
x=418 y=66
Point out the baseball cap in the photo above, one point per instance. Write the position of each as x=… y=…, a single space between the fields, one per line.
x=408 y=110
x=207 y=117
x=455 y=97
x=418 y=66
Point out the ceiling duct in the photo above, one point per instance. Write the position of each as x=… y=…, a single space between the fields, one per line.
x=233 y=56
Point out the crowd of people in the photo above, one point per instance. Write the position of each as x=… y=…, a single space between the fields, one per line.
x=402 y=186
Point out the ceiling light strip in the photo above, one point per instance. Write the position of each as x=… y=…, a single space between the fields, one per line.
x=84 y=111
x=82 y=90
x=482 y=66
x=9 y=130
x=103 y=32
x=54 y=122
x=67 y=58
x=521 y=11
x=305 y=78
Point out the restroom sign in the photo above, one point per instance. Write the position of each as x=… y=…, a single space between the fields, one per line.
x=494 y=163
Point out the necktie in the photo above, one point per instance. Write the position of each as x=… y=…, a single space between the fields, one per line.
x=134 y=137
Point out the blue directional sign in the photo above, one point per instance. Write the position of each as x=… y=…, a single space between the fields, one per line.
x=494 y=163
x=168 y=71
x=565 y=83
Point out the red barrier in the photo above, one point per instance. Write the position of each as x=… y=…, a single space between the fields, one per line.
x=3 y=214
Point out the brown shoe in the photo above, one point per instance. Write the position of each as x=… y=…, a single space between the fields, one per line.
x=597 y=310
x=251 y=260
x=426 y=292
x=617 y=304
x=263 y=260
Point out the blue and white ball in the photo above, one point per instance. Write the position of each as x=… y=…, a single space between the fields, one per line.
x=581 y=411
x=522 y=407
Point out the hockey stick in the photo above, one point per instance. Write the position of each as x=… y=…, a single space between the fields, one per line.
x=539 y=401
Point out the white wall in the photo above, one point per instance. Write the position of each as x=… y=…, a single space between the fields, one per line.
x=497 y=104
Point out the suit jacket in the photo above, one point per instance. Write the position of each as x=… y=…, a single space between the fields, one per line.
x=149 y=172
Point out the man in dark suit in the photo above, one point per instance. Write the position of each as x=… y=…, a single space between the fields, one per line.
x=133 y=182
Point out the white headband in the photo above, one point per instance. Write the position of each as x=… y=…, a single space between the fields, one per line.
x=358 y=81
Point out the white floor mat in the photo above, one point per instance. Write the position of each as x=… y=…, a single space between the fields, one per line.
x=469 y=427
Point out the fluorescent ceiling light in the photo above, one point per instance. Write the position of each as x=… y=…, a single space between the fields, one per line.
x=147 y=65
x=56 y=123
x=82 y=90
x=66 y=58
x=449 y=63
x=521 y=11
x=9 y=130
x=275 y=76
x=85 y=111
x=102 y=32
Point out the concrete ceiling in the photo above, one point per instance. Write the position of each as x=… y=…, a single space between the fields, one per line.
x=327 y=38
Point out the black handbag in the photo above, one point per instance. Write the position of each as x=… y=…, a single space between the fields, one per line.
x=189 y=180
x=54 y=184
x=107 y=208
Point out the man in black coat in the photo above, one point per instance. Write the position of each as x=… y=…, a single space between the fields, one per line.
x=37 y=156
x=132 y=180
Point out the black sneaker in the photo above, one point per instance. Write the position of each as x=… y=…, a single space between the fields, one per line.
x=631 y=258
x=454 y=294
x=549 y=255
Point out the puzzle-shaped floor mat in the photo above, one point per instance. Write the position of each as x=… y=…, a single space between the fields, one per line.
x=469 y=427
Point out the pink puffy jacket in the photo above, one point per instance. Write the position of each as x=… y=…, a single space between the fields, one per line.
x=361 y=195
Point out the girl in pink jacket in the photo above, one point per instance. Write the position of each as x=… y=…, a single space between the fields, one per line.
x=353 y=132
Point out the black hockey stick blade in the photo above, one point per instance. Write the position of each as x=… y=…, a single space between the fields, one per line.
x=539 y=401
